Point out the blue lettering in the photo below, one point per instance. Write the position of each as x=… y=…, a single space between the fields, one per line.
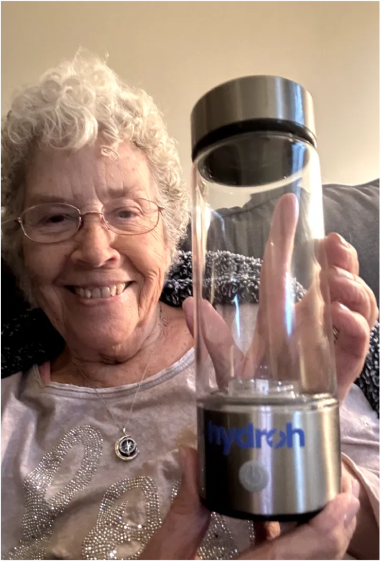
x=245 y=437
x=249 y=437
x=259 y=433
x=270 y=437
x=228 y=439
x=213 y=431
x=290 y=431
x=282 y=440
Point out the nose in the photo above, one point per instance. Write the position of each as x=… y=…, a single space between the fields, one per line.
x=94 y=244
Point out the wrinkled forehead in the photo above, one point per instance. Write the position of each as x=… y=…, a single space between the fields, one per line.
x=89 y=174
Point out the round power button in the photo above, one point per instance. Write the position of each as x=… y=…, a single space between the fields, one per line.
x=253 y=476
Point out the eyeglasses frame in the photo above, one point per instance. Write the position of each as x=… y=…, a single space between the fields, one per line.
x=81 y=222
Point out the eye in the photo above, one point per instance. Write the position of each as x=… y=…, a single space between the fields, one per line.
x=126 y=213
x=55 y=218
x=52 y=219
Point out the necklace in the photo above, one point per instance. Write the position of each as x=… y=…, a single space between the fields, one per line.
x=126 y=447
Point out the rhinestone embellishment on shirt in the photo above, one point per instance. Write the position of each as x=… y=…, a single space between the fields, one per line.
x=218 y=542
x=40 y=512
x=115 y=536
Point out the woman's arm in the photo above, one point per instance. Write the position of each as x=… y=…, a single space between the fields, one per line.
x=360 y=453
x=365 y=541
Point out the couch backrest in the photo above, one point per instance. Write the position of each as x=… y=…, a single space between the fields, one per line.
x=353 y=212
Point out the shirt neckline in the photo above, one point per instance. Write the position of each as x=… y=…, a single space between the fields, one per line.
x=83 y=392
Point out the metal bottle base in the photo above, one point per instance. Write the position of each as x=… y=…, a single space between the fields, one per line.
x=269 y=462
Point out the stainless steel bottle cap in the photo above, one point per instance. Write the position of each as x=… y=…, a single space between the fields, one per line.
x=261 y=103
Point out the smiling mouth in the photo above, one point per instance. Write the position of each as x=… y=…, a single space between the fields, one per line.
x=100 y=291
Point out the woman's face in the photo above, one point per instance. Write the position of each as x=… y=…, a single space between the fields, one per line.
x=96 y=258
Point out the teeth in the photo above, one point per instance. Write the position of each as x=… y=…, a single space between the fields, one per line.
x=120 y=287
x=106 y=293
x=103 y=292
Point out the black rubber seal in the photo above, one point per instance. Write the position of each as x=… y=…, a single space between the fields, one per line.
x=253 y=125
x=299 y=518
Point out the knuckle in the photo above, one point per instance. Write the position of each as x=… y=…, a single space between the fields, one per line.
x=355 y=295
x=335 y=542
x=354 y=257
x=362 y=297
x=366 y=287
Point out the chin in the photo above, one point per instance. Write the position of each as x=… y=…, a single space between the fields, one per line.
x=101 y=339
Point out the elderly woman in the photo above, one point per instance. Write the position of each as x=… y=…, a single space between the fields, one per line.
x=94 y=208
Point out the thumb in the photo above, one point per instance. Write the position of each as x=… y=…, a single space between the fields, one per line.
x=186 y=523
x=215 y=340
x=188 y=308
x=327 y=536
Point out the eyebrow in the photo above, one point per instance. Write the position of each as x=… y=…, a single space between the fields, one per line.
x=114 y=193
x=41 y=199
x=119 y=192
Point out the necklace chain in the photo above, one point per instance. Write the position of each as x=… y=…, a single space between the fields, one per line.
x=123 y=429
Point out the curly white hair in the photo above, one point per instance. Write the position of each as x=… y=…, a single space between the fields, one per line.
x=70 y=106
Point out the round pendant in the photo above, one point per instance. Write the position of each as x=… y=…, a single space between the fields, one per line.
x=126 y=448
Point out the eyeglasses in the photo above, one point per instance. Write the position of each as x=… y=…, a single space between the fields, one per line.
x=56 y=222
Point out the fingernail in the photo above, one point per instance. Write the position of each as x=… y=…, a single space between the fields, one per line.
x=352 y=511
x=343 y=241
x=355 y=487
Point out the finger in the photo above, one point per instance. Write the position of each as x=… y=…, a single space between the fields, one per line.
x=352 y=291
x=351 y=348
x=264 y=531
x=336 y=524
x=326 y=536
x=227 y=358
x=276 y=309
x=277 y=258
x=349 y=483
x=340 y=253
x=216 y=336
x=187 y=521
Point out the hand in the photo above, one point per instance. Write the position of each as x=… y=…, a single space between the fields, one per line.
x=187 y=521
x=287 y=334
x=326 y=536
x=353 y=309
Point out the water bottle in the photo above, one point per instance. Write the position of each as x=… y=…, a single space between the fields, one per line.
x=268 y=416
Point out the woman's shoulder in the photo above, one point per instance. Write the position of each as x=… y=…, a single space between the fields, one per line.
x=11 y=381
x=27 y=338
x=12 y=386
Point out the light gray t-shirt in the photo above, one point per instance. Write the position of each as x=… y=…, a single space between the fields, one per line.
x=65 y=494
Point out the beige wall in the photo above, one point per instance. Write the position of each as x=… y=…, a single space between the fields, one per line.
x=178 y=50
